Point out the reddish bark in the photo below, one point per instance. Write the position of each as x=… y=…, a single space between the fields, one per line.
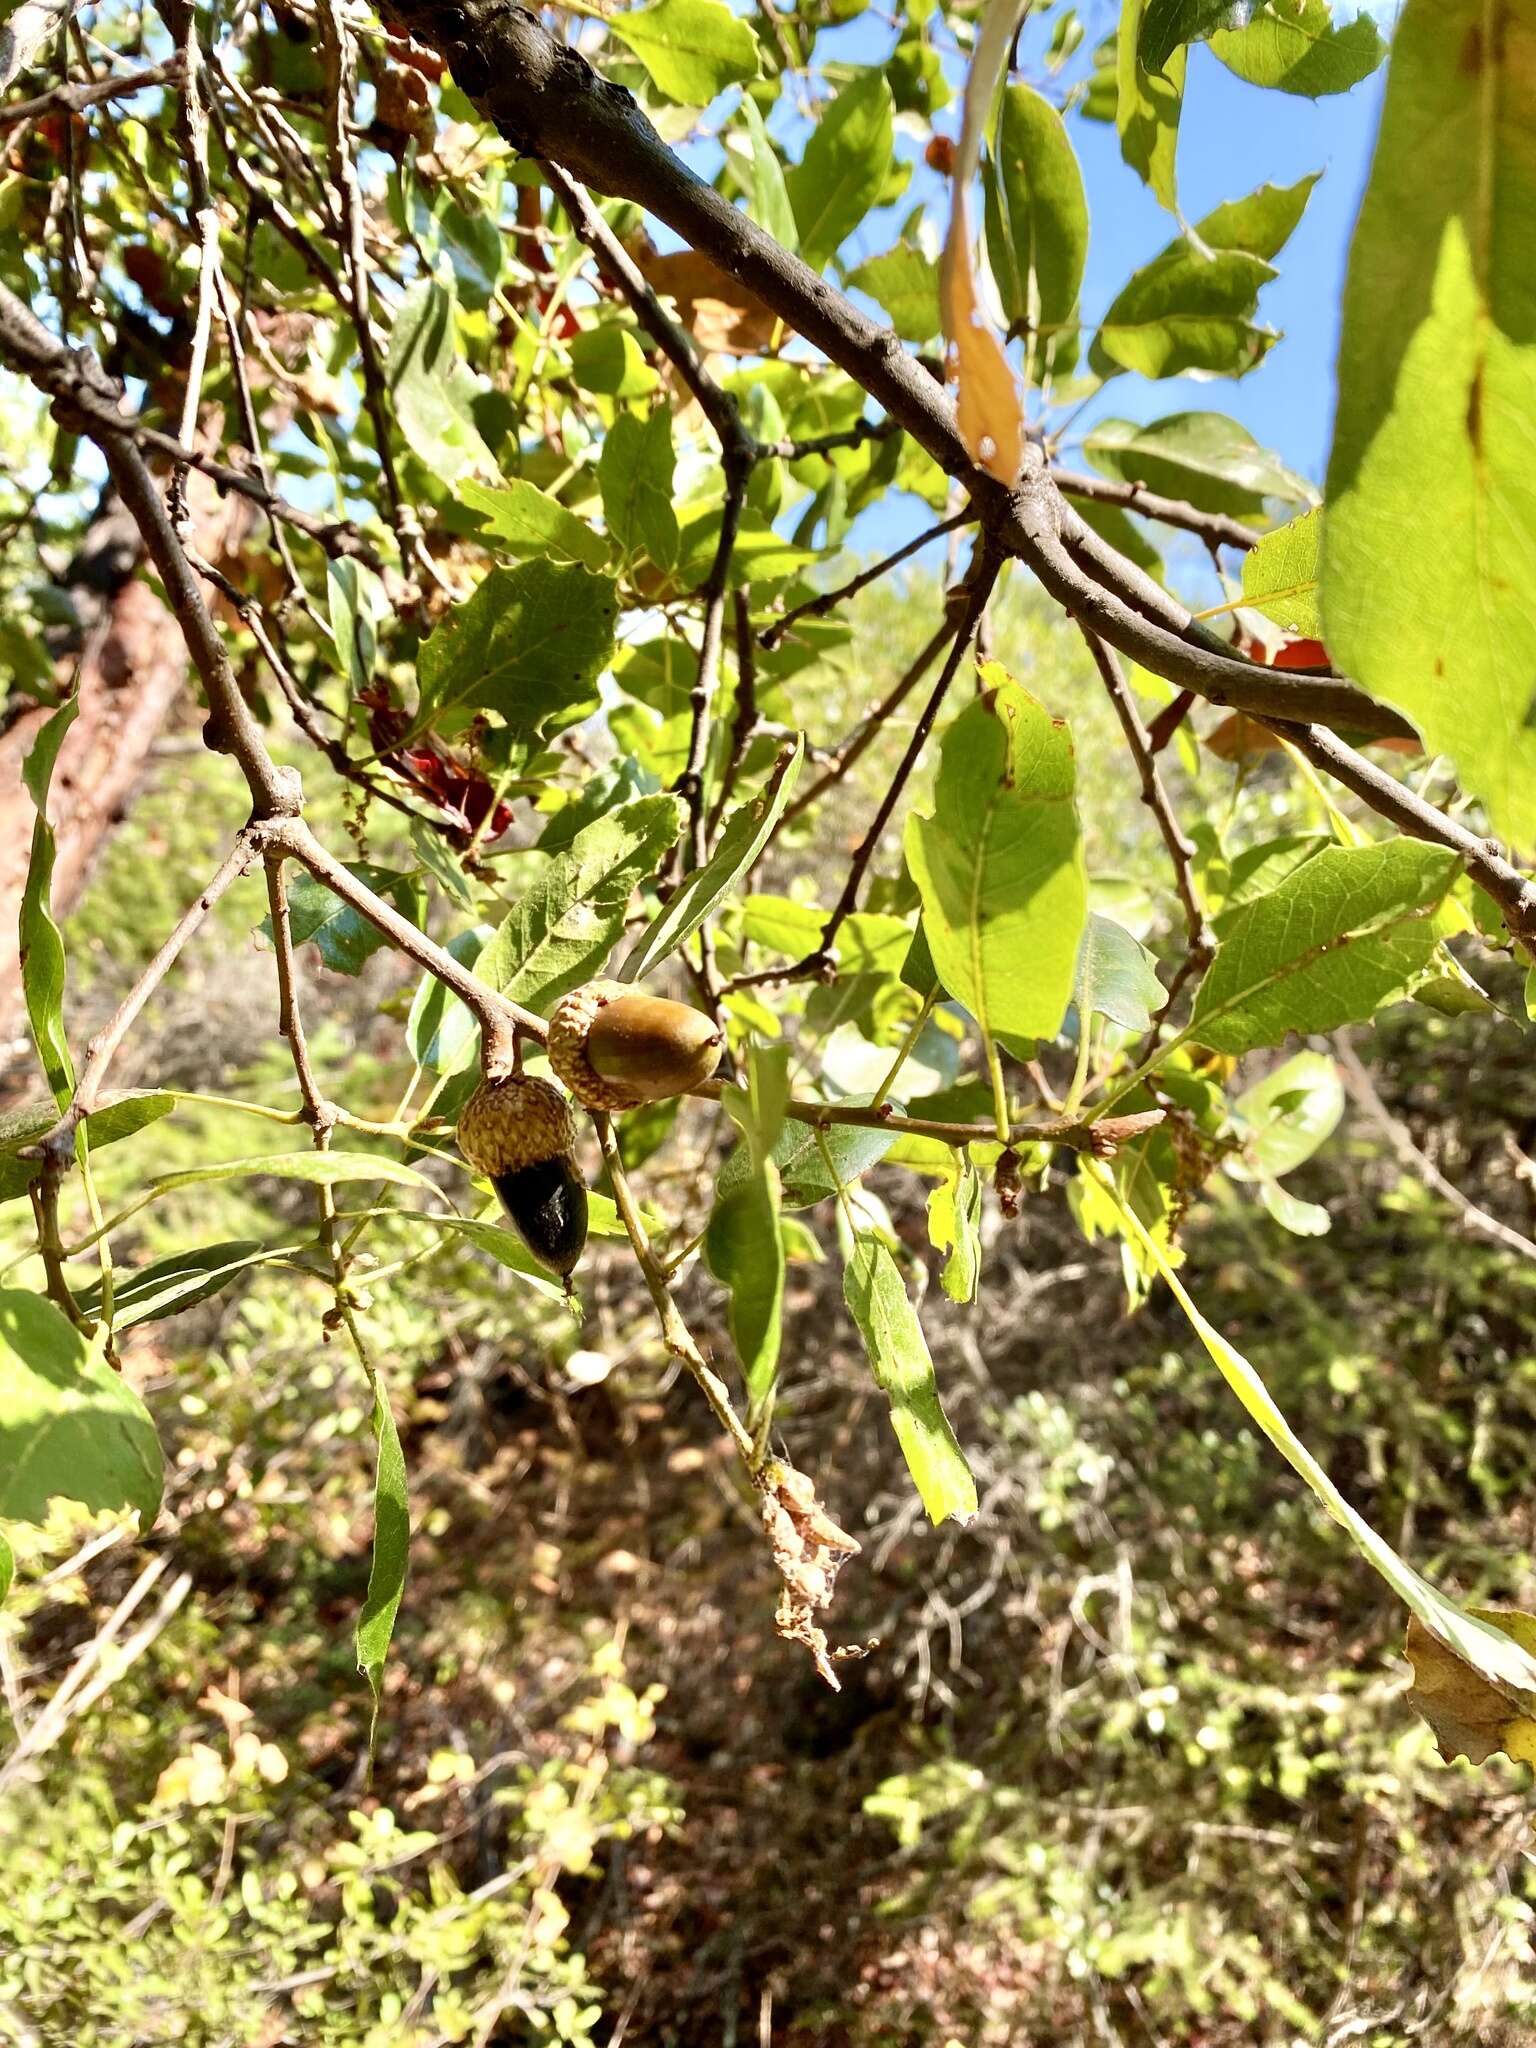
x=134 y=667
x=132 y=674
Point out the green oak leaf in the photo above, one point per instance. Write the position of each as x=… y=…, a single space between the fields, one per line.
x=69 y=1424
x=903 y=1370
x=1329 y=945
x=999 y=865
x=1431 y=532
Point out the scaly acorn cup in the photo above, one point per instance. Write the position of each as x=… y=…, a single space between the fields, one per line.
x=521 y=1133
x=615 y=1048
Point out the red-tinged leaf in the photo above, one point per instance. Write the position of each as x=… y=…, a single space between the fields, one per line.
x=1301 y=654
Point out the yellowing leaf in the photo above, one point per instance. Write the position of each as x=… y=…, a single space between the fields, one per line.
x=987 y=405
x=987 y=402
x=1497 y=1659
x=722 y=314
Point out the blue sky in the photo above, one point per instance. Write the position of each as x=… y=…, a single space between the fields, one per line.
x=1234 y=137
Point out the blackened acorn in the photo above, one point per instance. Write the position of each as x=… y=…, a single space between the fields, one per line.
x=521 y=1133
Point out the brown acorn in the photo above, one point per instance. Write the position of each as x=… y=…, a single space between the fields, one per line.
x=615 y=1048
x=522 y=1134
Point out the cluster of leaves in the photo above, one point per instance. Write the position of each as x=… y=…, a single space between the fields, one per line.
x=536 y=671
x=1151 y=1786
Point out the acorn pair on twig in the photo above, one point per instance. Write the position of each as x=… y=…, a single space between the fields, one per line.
x=614 y=1048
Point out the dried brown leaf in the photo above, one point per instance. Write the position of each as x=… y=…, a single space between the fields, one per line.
x=1470 y=1716
x=723 y=317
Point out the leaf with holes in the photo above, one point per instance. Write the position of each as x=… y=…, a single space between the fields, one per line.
x=527 y=647
x=1280 y=576
x=954 y=1228
x=1287 y=1116
x=345 y=938
x=527 y=521
x=1295 y=46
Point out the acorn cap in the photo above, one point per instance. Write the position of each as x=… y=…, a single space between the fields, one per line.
x=521 y=1133
x=518 y=1122
x=616 y=1047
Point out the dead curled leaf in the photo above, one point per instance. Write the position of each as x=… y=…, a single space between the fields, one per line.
x=987 y=403
x=808 y=1549
x=723 y=317
x=1470 y=1716
x=1238 y=737
x=988 y=408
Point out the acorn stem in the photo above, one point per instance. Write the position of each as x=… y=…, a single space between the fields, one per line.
x=675 y=1332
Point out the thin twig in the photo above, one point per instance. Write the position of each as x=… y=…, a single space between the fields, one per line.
x=1154 y=794
x=58 y=1145
x=335 y=537
x=204 y=221
x=317 y=1112
x=1418 y=1162
x=499 y=1019
x=822 y=961
x=826 y=600
x=1215 y=527
x=1073 y=1132
x=94 y=1671
x=869 y=729
x=74 y=99
x=1493 y=872
x=856 y=436
x=675 y=1332
x=690 y=784
x=336 y=47
x=44 y=1193
x=744 y=724
x=622 y=271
